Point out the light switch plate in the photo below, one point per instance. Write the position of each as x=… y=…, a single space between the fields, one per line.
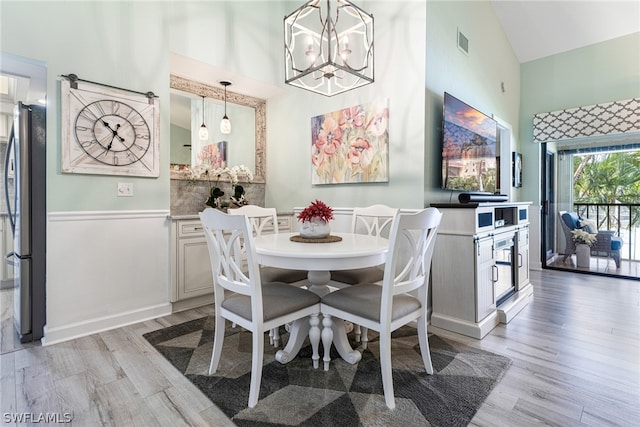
x=125 y=189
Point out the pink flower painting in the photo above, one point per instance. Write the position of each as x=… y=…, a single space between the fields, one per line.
x=215 y=155
x=351 y=145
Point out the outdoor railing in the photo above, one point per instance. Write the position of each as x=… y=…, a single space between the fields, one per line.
x=623 y=218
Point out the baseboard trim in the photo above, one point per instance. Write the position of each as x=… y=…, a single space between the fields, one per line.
x=101 y=324
x=512 y=306
x=190 y=303
x=463 y=327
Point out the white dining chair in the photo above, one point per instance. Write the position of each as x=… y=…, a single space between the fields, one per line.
x=374 y=220
x=401 y=299
x=240 y=297
x=265 y=220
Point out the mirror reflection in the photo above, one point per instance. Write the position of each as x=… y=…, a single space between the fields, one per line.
x=244 y=145
x=187 y=148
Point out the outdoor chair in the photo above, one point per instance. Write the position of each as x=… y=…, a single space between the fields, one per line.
x=607 y=243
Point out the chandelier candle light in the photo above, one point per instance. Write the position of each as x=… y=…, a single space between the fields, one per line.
x=328 y=47
x=315 y=220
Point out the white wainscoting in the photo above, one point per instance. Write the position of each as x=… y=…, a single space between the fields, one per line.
x=105 y=270
x=341 y=222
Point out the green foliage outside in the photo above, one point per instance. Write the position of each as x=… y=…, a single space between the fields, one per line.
x=609 y=178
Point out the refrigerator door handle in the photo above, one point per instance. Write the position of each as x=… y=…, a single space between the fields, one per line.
x=7 y=166
x=12 y=258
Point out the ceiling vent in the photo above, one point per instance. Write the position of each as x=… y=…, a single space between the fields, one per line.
x=463 y=43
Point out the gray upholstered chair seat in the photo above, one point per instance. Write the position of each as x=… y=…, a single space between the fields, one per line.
x=274 y=274
x=365 y=300
x=278 y=299
x=401 y=298
x=239 y=294
x=358 y=275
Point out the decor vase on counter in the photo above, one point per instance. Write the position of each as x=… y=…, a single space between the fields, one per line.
x=315 y=220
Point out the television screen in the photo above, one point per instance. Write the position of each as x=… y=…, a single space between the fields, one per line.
x=468 y=148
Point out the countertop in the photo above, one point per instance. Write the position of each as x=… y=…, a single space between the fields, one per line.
x=187 y=217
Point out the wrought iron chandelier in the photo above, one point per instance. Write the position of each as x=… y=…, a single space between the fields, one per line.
x=328 y=47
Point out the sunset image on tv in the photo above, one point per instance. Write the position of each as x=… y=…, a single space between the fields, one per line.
x=468 y=148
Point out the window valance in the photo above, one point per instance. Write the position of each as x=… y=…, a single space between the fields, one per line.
x=593 y=120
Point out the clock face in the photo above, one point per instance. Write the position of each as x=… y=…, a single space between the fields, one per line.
x=109 y=132
x=112 y=132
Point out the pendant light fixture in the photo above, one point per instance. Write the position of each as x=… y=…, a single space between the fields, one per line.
x=328 y=47
x=203 y=133
x=225 y=124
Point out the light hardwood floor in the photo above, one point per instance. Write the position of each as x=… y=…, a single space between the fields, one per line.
x=628 y=268
x=575 y=351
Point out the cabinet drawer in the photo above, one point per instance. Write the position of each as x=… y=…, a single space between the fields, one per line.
x=190 y=228
x=284 y=223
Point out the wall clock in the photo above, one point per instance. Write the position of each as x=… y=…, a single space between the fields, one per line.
x=107 y=131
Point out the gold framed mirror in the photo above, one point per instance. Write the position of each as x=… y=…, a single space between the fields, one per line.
x=259 y=105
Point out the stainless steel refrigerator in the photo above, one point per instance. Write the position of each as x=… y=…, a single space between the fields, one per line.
x=25 y=193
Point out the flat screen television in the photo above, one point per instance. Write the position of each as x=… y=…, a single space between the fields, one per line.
x=468 y=148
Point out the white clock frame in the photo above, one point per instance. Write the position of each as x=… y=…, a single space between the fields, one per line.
x=76 y=160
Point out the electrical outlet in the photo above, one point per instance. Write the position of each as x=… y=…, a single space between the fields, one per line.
x=125 y=189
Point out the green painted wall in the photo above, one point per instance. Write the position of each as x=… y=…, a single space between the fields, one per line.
x=475 y=78
x=127 y=44
x=602 y=72
x=399 y=77
x=116 y=43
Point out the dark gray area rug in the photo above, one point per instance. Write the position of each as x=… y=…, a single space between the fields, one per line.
x=295 y=394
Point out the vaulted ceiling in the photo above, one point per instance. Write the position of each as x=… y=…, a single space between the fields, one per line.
x=540 y=28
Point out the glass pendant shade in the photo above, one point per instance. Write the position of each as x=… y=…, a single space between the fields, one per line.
x=328 y=47
x=203 y=133
x=225 y=125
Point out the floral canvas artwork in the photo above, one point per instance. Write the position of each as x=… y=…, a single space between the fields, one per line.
x=351 y=145
x=214 y=155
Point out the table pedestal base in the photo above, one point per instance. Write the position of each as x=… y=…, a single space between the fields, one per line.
x=332 y=332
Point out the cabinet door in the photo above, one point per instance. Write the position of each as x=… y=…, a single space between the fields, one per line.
x=284 y=223
x=485 y=278
x=194 y=268
x=522 y=242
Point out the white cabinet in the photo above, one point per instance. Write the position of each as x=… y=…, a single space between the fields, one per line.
x=191 y=277
x=522 y=240
x=485 y=298
x=480 y=268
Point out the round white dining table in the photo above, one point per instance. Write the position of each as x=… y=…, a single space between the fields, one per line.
x=318 y=259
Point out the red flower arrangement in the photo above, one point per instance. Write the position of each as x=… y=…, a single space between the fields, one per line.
x=318 y=210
